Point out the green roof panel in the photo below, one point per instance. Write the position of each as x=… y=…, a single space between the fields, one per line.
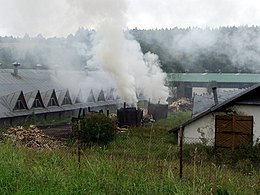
x=218 y=77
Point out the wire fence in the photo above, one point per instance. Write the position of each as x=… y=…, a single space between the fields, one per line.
x=198 y=160
x=194 y=159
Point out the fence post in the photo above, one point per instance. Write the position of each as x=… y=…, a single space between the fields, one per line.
x=78 y=143
x=181 y=149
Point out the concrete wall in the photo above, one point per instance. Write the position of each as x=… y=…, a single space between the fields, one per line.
x=199 y=91
x=203 y=129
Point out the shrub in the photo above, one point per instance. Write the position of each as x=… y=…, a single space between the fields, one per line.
x=97 y=128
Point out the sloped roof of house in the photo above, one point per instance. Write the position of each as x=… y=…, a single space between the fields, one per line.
x=250 y=93
x=203 y=102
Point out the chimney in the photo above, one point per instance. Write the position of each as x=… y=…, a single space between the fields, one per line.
x=214 y=90
x=16 y=64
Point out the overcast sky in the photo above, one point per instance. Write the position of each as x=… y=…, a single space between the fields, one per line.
x=60 y=18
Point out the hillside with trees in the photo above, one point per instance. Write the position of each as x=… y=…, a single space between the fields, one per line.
x=224 y=49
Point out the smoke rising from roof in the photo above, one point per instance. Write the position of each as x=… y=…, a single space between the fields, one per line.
x=118 y=54
x=114 y=54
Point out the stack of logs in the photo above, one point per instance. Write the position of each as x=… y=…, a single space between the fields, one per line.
x=183 y=104
x=31 y=137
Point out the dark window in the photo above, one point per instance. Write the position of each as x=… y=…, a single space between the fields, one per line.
x=52 y=102
x=37 y=102
x=66 y=99
x=19 y=105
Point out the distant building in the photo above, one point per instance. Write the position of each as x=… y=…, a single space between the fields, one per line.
x=27 y=91
x=189 y=84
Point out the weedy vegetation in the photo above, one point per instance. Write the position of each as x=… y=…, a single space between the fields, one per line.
x=141 y=160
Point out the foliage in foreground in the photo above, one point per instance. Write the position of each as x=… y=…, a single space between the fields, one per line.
x=139 y=161
x=26 y=171
x=96 y=128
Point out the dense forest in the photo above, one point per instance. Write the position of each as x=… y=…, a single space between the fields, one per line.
x=224 y=49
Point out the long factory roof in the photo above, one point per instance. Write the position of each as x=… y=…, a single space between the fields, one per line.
x=218 y=77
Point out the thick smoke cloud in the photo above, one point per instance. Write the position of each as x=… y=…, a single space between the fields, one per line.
x=118 y=54
x=115 y=56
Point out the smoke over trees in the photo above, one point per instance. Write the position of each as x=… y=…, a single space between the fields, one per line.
x=225 y=49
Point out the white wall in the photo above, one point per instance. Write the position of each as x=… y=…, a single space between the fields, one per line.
x=203 y=129
x=199 y=91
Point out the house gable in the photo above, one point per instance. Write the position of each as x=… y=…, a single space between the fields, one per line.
x=91 y=97
x=38 y=103
x=78 y=98
x=110 y=95
x=53 y=101
x=20 y=103
x=34 y=99
x=66 y=99
x=101 y=96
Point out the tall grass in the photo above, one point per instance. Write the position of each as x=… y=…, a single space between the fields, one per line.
x=139 y=161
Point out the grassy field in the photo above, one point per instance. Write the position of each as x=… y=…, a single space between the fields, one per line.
x=139 y=161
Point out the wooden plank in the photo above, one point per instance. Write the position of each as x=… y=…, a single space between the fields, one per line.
x=224 y=125
x=233 y=131
x=223 y=140
x=243 y=124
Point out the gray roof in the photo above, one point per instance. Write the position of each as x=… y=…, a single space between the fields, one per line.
x=28 y=80
x=46 y=95
x=29 y=83
x=206 y=101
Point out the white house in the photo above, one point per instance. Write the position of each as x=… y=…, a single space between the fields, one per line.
x=229 y=123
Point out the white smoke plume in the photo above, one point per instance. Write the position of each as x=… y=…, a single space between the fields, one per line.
x=118 y=54
x=114 y=53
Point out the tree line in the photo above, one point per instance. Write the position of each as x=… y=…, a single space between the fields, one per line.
x=223 y=49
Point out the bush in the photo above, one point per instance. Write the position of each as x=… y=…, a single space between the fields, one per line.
x=97 y=128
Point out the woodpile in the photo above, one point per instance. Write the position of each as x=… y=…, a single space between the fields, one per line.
x=183 y=104
x=31 y=137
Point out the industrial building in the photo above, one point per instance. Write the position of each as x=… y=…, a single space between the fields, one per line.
x=190 y=84
x=24 y=92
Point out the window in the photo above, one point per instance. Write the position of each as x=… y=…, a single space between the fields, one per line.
x=37 y=102
x=19 y=105
x=53 y=100
x=66 y=99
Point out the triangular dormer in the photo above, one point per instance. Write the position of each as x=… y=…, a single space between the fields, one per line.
x=91 y=97
x=20 y=103
x=110 y=95
x=53 y=99
x=38 y=103
x=101 y=96
x=78 y=98
x=67 y=99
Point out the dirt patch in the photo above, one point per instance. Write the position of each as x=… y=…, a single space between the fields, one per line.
x=60 y=132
